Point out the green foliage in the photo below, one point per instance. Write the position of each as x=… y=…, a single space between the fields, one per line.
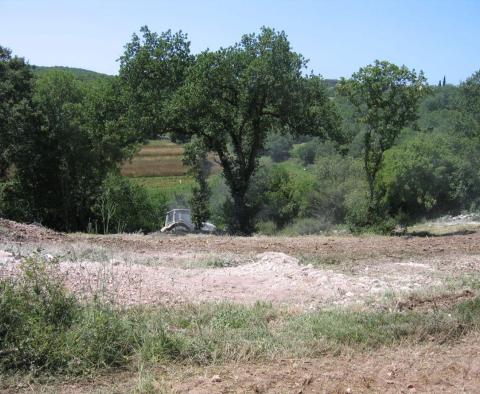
x=75 y=138
x=195 y=156
x=151 y=69
x=43 y=329
x=470 y=92
x=430 y=174
x=267 y=227
x=278 y=146
x=219 y=194
x=279 y=201
x=306 y=152
x=306 y=226
x=79 y=73
x=124 y=206
x=339 y=182
x=385 y=98
x=16 y=108
x=356 y=209
x=234 y=97
x=279 y=192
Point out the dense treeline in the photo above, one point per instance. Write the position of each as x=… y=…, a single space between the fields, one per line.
x=298 y=154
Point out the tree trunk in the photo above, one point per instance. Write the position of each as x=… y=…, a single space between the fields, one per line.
x=241 y=215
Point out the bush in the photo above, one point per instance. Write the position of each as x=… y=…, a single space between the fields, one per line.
x=430 y=174
x=219 y=193
x=126 y=207
x=278 y=146
x=339 y=189
x=306 y=226
x=306 y=152
x=45 y=329
x=35 y=313
x=266 y=228
x=273 y=194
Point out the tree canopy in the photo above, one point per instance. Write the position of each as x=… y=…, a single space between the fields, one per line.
x=16 y=89
x=232 y=98
x=385 y=97
x=152 y=68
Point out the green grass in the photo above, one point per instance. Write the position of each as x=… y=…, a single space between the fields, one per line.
x=168 y=186
x=44 y=330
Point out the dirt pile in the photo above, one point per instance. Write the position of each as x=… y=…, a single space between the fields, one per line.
x=19 y=232
x=272 y=277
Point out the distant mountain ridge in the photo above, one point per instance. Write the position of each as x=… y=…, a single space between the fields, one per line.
x=80 y=73
x=89 y=75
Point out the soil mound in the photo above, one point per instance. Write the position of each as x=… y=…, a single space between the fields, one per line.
x=14 y=231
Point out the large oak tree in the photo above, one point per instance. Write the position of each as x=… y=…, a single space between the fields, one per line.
x=233 y=97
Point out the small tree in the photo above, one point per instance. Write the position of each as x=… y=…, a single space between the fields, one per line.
x=234 y=97
x=385 y=98
x=195 y=157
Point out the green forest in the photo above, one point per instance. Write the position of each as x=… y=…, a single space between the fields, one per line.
x=371 y=152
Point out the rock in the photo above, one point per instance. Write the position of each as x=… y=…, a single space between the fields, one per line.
x=216 y=379
x=48 y=257
x=5 y=257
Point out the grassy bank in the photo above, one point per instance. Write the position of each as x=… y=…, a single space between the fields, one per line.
x=44 y=330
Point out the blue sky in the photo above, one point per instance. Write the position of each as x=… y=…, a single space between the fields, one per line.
x=441 y=37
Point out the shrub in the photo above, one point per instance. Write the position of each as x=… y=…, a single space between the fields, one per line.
x=43 y=329
x=35 y=313
x=218 y=196
x=340 y=187
x=278 y=146
x=429 y=174
x=306 y=226
x=307 y=152
x=125 y=206
x=280 y=202
x=266 y=227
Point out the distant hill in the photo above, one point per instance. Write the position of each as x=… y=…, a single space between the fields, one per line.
x=80 y=73
x=330 y=83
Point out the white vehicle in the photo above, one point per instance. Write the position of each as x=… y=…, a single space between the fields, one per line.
x=180 y=221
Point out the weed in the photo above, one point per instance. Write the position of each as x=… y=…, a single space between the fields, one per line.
x=220 y=262
x=319 y=260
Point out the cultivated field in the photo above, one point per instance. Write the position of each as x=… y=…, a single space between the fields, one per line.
x=158 y=167
x=270 y=314
x=156 y=159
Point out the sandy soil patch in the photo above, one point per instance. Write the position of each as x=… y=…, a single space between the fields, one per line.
x=271 y=277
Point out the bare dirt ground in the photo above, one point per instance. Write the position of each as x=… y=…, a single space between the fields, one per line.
x=304 y=272
x=429 y=368
x=300 y=272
